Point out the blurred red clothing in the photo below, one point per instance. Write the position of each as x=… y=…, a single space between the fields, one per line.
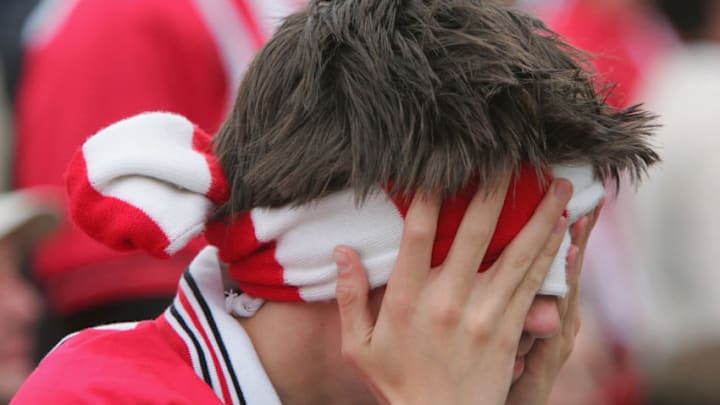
x=93 y=62
x=623 y=38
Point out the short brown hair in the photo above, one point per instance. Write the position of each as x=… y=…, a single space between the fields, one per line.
x=423 y=94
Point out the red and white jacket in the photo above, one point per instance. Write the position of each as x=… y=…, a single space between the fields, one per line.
x=93 y=62
x=194 y=353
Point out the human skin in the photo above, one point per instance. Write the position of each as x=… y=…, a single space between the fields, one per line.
x=588 y=369
x=310 y=362
x=450 y=334
x=544 y=361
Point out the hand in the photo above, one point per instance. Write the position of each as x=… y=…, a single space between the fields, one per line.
x=449 y=335
x=544 y=361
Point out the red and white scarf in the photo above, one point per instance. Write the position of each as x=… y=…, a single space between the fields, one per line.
x=151 y=181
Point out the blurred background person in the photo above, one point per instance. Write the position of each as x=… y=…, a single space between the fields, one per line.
x=674 y=221
x=24 y=218
x=89 y=63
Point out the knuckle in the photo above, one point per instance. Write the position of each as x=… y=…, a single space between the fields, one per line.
x=480 y=327
x=447 y=314
x=415 y=232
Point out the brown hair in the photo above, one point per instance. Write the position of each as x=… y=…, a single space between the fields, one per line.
x=423 y=94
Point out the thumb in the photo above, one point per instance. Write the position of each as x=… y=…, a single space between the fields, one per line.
x=352 y=297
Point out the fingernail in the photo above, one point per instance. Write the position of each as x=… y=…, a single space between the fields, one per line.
x=563 y=189
x=342 y=261
x=560 y=225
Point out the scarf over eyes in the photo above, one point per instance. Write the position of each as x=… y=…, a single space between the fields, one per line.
x=151 y=181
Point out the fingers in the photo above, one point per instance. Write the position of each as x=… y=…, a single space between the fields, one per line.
x=413 y=262
x=570 y=306
x=580 y=232
x=352 y=298
x=472 y=239
x=518 y=257
x=521 y=299
x=573 y=271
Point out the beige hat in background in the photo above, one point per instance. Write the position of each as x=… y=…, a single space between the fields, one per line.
x=26 y=215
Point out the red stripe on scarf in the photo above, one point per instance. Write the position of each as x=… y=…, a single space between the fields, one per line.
x=252 y=262
x=126 y=227
x=523 y=197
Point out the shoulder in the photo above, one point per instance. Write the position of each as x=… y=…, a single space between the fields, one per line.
x=118 y=364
